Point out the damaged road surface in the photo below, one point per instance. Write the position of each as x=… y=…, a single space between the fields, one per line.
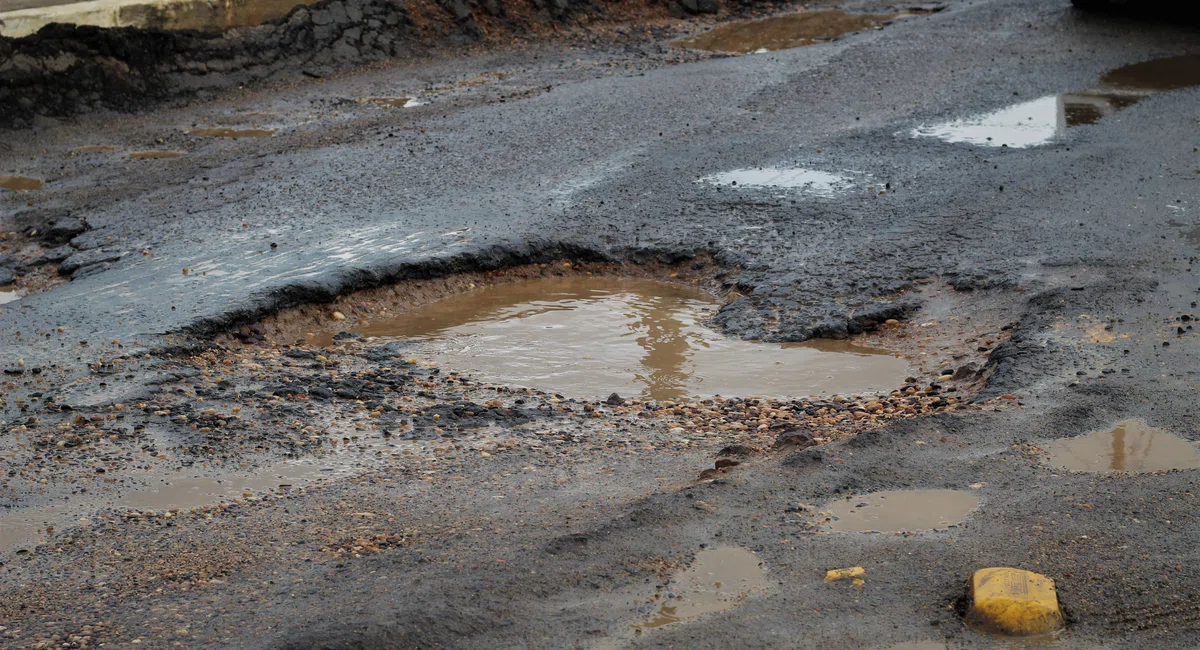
x=600 y=340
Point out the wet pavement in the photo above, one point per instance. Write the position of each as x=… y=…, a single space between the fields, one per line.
x=1039 y=294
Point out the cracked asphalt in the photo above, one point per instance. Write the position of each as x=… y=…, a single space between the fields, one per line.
x=1065 y=270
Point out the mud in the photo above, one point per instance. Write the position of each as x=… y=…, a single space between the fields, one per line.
x=901 y=510
x=782 y=32
x=1129 y=446
x=592 y=336
x=20 y=183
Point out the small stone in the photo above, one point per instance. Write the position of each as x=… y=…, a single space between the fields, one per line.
x=337 y=315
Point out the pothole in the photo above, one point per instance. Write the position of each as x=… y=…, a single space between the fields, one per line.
x=782 y=32
x=1037 y=122
x=96 y=148
x=223 y=132
x=391 y=102
x=1129 y=446
x=811 y=181
x=154 y=155
x=21 y=183
x=720 y=578
x=900 y=510
x=592 y=336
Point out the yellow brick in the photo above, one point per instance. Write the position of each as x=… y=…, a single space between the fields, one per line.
x=1013 y=602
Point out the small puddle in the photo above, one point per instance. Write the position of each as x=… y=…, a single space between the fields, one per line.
x=391 y=102
x=1037 y=122
x=1129 y=446
x=781 y=32
x=152 y=155
x=898 y=510
x=592 y=336
x=812 y=181
x=720 y=578
x=221 y=132
x=20 y=183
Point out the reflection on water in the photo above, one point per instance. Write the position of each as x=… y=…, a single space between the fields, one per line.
x=1036 y=122
x=812 y=181
x=591 y=336
x=223 y=132
x=8 y=295
x=1130 y=446
x=897 y=510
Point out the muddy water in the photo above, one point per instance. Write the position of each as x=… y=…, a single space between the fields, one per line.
x=898 y=510
x=781 y=32
x=811 y=181
x=222 y=132
x=1037 y=122
x=589 y=337
x=94 y=148
x=391 y=102
x=720 y=578
x=20 y=183
x=154 y=155
x=1129 y=446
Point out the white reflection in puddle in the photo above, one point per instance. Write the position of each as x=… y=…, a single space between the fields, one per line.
x=1028 y=124
x=811 y=181
x=8 y=295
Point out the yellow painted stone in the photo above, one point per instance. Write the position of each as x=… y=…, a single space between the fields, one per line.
x=838 y=574
x=1013 y=602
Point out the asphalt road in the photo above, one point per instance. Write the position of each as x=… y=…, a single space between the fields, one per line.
x=595 y=154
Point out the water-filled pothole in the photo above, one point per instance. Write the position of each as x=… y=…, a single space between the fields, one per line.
x=391 y=102
x=898 y=510
x=20 y=183
x=154 y=155
x=1037 y=122
x=811 y=181
x=96 y=148
x=592 y=336
x=781 y=32
x=720 y=578
x=1129 y=446
x=224 y=132
x=8 y=295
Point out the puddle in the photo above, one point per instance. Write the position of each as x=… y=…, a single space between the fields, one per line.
x=1037 y=122
x=20 y=183
x=93 y=148
x=781 y=32
x=24 y=527
x=1130 y=446
x=919 y=645
x=898 y=510
x=592 y=336
x=811 y=181
x=151 y=155
x=8 y=295
x=221 y=132
x=391 y=102
x=720 y=578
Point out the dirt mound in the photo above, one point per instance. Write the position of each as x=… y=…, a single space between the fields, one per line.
x=67 y=69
